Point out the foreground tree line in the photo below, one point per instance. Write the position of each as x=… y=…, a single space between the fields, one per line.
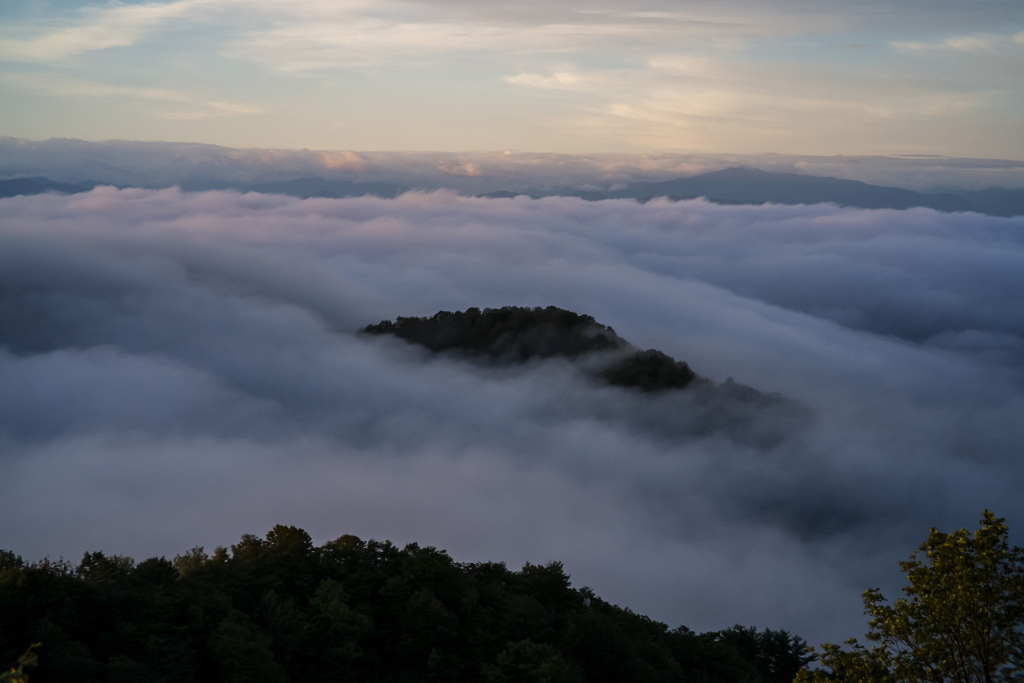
x=279 y=609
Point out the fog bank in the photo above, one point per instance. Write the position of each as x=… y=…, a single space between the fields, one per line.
x=177 y=369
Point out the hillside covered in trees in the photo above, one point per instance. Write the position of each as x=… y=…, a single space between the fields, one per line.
x=280 y=609
x=516 y=334
x=659 y=394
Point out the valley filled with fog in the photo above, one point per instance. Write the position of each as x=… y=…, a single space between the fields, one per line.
x=179 y=368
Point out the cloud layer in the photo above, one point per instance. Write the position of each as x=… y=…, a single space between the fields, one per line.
x=179 y=369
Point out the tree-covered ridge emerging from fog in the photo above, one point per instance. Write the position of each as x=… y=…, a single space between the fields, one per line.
x=280 y=609
x=514 y=334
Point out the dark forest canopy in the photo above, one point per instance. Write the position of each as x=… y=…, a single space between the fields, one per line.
x=511 y=333
x=515 y=334
x=280 y=609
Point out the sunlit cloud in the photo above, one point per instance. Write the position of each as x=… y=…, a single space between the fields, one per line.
x=466 y=169
x=565 y=78
x=342 y=160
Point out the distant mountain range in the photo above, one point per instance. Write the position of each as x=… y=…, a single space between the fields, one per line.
x=39 y=185
x=728 y=186
x=753 y=186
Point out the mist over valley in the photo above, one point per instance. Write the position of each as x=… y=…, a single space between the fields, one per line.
x=179 y=368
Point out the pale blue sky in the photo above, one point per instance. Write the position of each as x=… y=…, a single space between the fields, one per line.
x=737 y=76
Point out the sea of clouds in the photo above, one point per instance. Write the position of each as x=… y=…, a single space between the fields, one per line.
x=177 y=369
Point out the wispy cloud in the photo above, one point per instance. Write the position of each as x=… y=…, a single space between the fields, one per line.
x=99 y=28
x=603 y=69
x=978 y=43
x=310 y=34
x=689 y=100
x=192 y=107
x=356 y=38
x=565 y=77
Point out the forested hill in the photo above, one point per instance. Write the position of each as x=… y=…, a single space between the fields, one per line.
x=515 y=334
x=279 y=609
x=510 y=333
x=683 y=404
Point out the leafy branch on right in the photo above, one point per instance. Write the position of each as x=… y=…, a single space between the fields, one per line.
x=961 y=618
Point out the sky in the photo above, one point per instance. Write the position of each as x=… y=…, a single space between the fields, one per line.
x=178 y=369
x=812 y=77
